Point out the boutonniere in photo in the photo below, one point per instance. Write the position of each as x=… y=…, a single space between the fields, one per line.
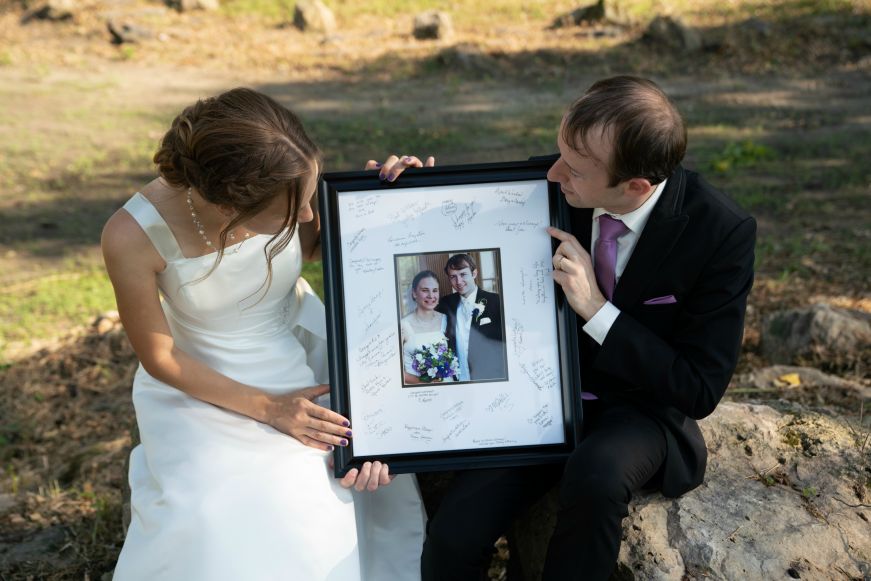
x=478 y=310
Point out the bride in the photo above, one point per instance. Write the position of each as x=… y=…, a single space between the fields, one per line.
x=231 y=479
x=426 y=351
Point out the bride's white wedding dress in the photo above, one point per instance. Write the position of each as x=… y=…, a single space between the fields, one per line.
x=217 y=495
x=419 y=334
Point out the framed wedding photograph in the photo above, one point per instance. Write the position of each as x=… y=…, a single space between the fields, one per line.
x=450 y=345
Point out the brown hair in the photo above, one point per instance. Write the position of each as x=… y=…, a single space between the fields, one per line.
x=461 y=261
x=240 y=149
x=649 y=135
x=422 y=275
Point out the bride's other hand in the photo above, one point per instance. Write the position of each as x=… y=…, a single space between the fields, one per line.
x=394 y=165
x=297 y=415
x=369 y=477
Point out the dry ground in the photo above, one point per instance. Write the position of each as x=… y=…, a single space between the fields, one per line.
x=778 y=118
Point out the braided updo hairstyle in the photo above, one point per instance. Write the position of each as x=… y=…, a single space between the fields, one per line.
x=240 y=150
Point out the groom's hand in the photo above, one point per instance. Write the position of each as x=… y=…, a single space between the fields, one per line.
x=573 y=271
x=394 y=165
x=369 y=477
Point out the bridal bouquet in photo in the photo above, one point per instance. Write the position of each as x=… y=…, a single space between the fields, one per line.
x=435 y=362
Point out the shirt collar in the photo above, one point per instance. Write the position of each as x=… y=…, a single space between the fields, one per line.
x=471 y=298
x=637 y=218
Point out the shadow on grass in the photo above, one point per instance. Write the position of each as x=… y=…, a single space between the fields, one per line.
x=788 y=147
x=65 y=415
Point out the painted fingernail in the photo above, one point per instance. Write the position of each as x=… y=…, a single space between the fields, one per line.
x=406 y=158
x=348 y=433
x=330 y=448
x=343 y=442
x=378 y=164
x=346 y=423
x=391 y=177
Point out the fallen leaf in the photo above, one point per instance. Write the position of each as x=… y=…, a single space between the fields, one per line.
x=789 y=380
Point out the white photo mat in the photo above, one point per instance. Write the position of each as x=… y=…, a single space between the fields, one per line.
x=388 y=418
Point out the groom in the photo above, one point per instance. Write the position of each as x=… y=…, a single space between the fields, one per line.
x=658 y=267
x=474 y=323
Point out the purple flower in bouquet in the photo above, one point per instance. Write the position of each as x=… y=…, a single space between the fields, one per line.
x=435 y=362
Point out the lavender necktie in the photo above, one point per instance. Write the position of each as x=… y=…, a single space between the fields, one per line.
x=605 y=262
x=610 y=229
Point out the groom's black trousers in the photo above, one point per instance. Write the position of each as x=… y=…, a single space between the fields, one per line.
x=622 y=451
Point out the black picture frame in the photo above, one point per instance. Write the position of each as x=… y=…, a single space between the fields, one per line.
x=331 y=186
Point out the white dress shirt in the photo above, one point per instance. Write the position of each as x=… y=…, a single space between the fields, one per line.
x=462 y=331
x=600 y=323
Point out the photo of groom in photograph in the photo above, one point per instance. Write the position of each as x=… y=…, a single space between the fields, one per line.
x=475 y=328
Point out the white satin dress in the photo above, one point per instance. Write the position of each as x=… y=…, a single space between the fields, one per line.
x=219 y=496
x=417 y=335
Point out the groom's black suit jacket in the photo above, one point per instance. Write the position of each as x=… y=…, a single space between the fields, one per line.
x=486 y=341
x=674 y=361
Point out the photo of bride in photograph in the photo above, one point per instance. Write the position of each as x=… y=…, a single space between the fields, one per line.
x=450 y=317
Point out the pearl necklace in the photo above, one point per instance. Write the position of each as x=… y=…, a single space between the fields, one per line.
x=198 y=225
x=426 y=322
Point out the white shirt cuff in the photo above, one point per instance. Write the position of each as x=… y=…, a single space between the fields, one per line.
x=600 y=323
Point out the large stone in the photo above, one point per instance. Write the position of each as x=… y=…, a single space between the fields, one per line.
x=820 y=333
x=313 y=16
x=54 y=10
x=672 y=33
x=802 y=384
x=466 y=57
x=29 y=555
x=589 y=12
x=190 y=5
x=785 y=496
x=7 y=503
x=597 y=11
x=127 y=32
x=433 y=25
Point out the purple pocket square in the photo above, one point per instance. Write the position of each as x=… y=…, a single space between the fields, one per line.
x=666 y=300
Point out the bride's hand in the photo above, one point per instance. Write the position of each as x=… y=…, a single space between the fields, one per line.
x=369 y=477
x=297 y=415
x=393 y=165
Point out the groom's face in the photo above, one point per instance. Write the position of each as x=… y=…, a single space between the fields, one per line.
x=463 y=280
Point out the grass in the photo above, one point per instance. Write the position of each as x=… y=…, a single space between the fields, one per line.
x=66 y=169
x=471 y=14
x=40 y=308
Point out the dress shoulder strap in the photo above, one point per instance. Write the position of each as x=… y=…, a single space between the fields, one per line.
x=155 y=227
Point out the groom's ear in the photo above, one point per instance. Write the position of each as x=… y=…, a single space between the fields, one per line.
x=475 y=273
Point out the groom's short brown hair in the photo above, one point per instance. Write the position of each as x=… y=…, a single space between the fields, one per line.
x=461 y=261
x=649 y=138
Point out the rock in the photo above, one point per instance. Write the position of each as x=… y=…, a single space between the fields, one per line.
x=47 y=549
x=103 y=325
x=820 y=333
x=613 y=12
x=189 y=5
x=756 y=26
x=127 y=32
x=466 y=57
x=91 y=459
x=774 y=482
x=591 y=12
x=803 y=384
x=672 y=33
x=54 y=10
x=433 y=25
x=313 y=16
x=7 y=503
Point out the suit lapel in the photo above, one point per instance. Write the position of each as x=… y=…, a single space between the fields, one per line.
x=663 y=228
